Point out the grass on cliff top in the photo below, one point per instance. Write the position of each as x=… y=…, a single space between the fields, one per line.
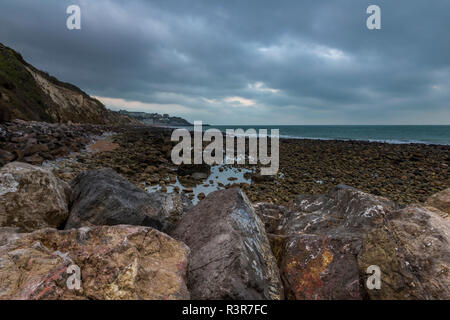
x=26 y=99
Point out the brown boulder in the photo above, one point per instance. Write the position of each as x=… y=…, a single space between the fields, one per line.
x=230 y=252
x=328 y=242
x=323 y=235
x=440 y=200
x=6 y=157
x=413 y=253
x=35 y=159
x=120 y=262
x=31 y=197
x=31 y=149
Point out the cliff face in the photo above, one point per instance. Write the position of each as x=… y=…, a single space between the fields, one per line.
x=30 y=94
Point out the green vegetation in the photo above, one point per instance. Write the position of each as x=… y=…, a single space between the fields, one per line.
x=20 y=96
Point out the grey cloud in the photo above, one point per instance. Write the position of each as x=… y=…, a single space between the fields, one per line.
x=322 y=63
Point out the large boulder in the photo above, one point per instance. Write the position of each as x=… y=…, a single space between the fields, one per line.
x=412 y=251
x=323 y=236
x=32 y=198
x=115 y=262
x=441 y=201
x=326 y=243
x=103 y=197
x=230 y=253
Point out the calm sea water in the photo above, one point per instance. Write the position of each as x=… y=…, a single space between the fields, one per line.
x=388 y=134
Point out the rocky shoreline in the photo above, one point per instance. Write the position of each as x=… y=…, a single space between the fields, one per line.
x=77 y=195
x=406 y=173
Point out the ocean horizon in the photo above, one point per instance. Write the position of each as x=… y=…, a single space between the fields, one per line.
x=393 y=134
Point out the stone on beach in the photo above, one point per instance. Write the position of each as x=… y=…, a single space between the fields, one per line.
x=413 y=252
x=441 y=201
x=31 y=197
x=230 y=253
x=116 y=262
x=325 y=243
x=172 y=207
x=323 y=236
x=103 y=197
x=5 y=157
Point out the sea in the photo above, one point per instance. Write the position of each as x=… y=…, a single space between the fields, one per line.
x=394 y=134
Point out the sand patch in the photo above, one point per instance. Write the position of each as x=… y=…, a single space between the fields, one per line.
x=103 y=146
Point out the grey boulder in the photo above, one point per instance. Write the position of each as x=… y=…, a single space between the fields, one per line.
x=103 y=197
x=230 y=252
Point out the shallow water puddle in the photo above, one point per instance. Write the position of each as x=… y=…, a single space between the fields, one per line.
x=217 y=180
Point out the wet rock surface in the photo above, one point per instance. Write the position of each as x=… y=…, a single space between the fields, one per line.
x=31 y=197
x=230 y=253
x=103 y=197
x=119 y=262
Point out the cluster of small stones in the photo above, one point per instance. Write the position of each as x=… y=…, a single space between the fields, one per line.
x=35 y=142
x=405 y=173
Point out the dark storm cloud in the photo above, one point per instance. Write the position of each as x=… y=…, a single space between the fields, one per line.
x=306 y=62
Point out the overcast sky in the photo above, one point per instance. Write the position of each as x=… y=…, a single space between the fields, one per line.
x=246 y=61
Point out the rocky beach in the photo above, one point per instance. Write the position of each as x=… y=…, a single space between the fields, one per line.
x=93 y=208
x=334 y=209
x=405 y=173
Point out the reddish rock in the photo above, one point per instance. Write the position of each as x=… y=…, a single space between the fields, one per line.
x=323 y=236
x=119 y=262
x=325 y=244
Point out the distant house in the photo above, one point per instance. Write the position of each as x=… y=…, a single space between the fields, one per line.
x=156 y=118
